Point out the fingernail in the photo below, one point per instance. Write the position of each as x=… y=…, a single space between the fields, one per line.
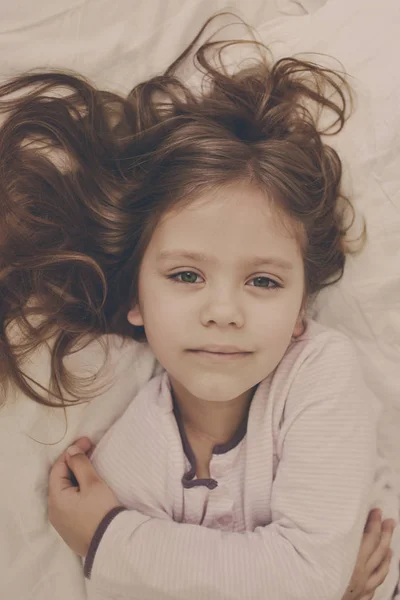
x=72 y=450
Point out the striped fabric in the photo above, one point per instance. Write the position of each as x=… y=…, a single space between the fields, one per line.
x=285 y=517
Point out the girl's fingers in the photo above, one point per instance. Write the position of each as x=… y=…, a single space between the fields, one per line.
x=372 y=533
x=375 y=516
x=379 y=575
x=380 y=552
x=59 y=478
x=84 y=444
x=82 y=469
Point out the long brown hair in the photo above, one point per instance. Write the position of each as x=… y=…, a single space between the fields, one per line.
x=86 y=175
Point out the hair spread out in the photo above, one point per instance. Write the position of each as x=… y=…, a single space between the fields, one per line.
x=87 y=174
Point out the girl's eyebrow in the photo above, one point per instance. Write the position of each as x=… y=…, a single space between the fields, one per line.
x=255 y=261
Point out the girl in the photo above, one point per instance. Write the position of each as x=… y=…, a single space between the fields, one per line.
x=244 y=469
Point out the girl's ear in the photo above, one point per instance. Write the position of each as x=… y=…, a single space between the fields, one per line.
x=135 y=316
x=299 y=327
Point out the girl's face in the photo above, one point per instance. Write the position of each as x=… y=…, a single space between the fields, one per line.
x=212 y=276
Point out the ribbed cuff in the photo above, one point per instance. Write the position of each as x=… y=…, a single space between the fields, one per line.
x=98 y=534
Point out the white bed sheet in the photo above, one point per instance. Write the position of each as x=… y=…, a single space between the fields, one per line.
x=117 y=43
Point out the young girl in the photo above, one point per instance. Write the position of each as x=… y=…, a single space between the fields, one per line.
x=247 y=466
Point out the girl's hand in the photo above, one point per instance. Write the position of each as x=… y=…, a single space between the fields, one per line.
x=373 y=559
x=76 y=512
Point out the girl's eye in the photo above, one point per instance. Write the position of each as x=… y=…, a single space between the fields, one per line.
x=190 y=277
x=264 y=281
x=187 y=277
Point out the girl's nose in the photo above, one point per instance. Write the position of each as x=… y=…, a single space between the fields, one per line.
x=222 y=311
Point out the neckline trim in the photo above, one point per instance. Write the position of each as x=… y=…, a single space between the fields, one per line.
x=188 y=480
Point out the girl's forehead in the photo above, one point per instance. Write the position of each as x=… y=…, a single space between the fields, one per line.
x=241 y=212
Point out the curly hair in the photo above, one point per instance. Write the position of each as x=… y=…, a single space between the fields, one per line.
x=87 y=174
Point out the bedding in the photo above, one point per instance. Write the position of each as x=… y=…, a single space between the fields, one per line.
x=118 y=43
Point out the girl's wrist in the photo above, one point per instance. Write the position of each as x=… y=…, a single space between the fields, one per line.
x=93 y=544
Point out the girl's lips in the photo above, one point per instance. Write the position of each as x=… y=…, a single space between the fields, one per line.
x=224 y=356
x=221 y=349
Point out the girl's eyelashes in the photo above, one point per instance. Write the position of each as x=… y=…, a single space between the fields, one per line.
x=275 y=285
x=190 y=277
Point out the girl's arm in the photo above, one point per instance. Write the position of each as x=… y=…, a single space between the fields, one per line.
x=320 y=503
x=76 y=513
